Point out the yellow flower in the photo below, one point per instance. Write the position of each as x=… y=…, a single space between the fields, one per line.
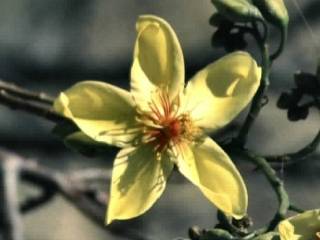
x=304 y=226
x=160 y=124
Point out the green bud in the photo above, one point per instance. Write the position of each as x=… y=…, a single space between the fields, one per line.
x=274 y=11
x=237 y=10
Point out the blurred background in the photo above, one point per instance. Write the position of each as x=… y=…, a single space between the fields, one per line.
x=49 y=45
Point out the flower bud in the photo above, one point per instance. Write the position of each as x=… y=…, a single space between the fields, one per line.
x=217 y=20
x=231 y=41
x=237 y=10
x=274 y=11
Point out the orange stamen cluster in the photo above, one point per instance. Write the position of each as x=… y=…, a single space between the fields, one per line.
x=164 y=124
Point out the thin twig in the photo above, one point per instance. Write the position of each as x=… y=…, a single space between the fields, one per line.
x=295 y=209
x=26 y=94
x=291 y=158
x=257 y=102
x=37 y=109
x=284 y=36
x=33 y=203
x=275 y=183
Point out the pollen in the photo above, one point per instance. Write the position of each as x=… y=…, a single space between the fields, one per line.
x=165 y=123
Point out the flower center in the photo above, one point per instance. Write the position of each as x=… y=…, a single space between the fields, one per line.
x=165 y=124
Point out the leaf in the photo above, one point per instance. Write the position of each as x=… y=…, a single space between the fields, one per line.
x=307 y=83
x=298 y=113
x=289 y=99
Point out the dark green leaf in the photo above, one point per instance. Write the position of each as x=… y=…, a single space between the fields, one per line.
x=307 y=83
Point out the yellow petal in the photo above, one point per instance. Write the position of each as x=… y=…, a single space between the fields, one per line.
x=158 y=59
x=138 y=180
x=217 y=94
x=102 y=111
x=209 y=167
x=306 y=225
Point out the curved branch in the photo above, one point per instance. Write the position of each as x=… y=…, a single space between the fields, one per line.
x=35 y=202
x=275 y=183
x=291 y=158
x=257 y=102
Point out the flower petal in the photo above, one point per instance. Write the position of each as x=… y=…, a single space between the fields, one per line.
x=217 y=94
x=138 y=180
x=209 y=167
x=102 y=111
x=306 y=225
x=286 y=230
x=158 y=59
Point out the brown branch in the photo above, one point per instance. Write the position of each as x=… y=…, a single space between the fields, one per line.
x=25 y=93
x=38 y=109
x=73 y=187
x=11 y=227
x=274 y=181
x=259 y=98
x=291 y=158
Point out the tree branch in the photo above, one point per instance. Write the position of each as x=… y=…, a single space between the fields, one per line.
x=25 y=93
x=275 y=183
x=32 y=203
x=291 y=158
x=257 y=102
x=10 y=218
x=34 y=108
x=73 y=187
